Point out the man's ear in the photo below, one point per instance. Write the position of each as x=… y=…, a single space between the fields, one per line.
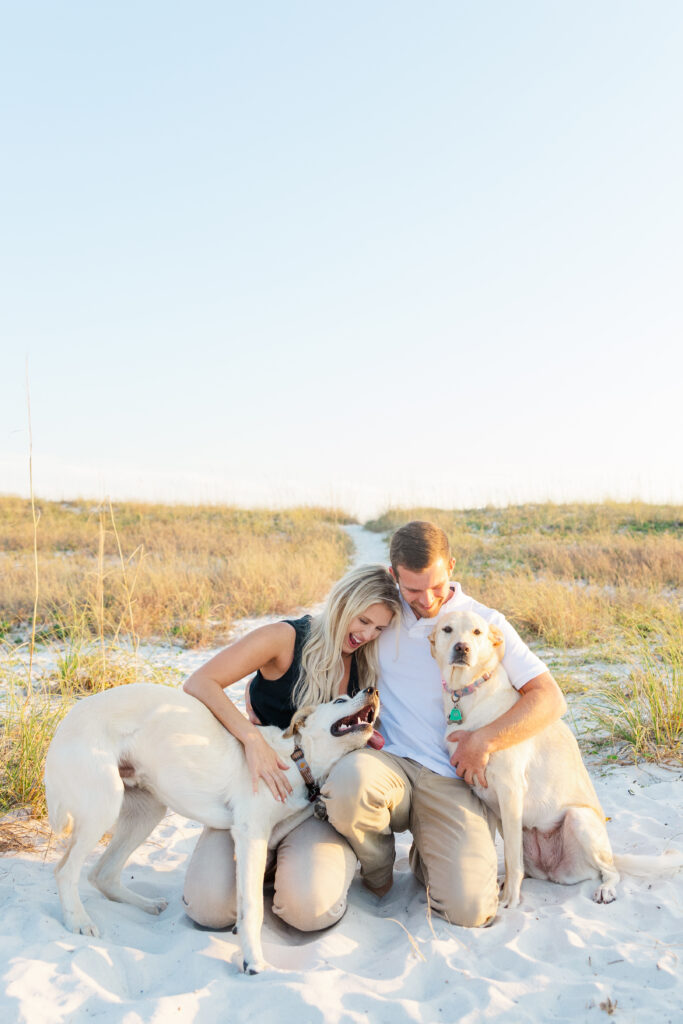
x=432 y=642
x=497 y=640
x=299 y=719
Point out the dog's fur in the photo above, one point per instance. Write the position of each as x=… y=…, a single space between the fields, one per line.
x=552 y=824
x=120 y=758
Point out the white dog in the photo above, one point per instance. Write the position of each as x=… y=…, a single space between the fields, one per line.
x=120 y=758
x=552 y=824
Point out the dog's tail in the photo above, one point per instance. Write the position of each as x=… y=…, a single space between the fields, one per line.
x=60 y=817
x=645 y=866
x=61 y=820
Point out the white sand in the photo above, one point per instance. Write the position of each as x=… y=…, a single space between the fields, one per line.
x=558 y=957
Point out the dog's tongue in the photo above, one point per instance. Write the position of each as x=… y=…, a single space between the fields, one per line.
x=376 y=740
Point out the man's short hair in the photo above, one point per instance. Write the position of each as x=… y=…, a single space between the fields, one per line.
x=417 y=545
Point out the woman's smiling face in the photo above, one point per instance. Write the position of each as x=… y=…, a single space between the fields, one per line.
x=366 y=627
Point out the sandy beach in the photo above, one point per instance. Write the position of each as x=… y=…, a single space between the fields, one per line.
x=558 y=957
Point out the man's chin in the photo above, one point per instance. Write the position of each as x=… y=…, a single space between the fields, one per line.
x=423 y=613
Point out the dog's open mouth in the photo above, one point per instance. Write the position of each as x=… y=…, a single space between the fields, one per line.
x=360 y=721
x=352 y=723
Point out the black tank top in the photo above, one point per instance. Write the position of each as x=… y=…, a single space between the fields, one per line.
x=271 y=699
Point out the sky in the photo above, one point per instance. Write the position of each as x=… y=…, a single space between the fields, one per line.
x=362 y=254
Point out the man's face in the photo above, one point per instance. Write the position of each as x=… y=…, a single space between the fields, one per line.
x=425 y=591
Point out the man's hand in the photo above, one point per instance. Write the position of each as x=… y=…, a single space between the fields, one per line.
x=470 y=756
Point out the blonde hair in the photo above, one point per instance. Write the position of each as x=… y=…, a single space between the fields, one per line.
x=322 y=668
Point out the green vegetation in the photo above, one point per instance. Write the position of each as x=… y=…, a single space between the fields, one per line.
x=646 y=712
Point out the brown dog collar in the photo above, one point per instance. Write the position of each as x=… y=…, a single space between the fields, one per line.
x=305 y=771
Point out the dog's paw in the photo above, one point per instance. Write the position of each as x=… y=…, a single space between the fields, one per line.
x=80 y=924
x=86 y=927
x=155 y=906
x=253 y=966
x=604 y=894
x=509 y=897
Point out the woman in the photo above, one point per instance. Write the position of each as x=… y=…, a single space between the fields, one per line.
x=297 y=662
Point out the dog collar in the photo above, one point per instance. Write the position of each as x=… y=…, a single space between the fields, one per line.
x=456 y=714
x=305 y=771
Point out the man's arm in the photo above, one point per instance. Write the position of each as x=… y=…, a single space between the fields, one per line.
x=541 y=703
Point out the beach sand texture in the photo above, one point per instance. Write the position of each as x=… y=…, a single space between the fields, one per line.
x=558 y=957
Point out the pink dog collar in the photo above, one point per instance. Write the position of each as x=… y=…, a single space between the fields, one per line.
x=456 y=714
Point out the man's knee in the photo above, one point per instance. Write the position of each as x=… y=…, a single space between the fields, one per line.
x=462 y=890
x=461 y=901
x=467 y=910
x=344 y=790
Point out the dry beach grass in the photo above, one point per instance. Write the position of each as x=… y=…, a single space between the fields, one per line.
x=596 y=587
x=187 y=571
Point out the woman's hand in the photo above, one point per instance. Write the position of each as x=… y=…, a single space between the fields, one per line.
x=264 y=763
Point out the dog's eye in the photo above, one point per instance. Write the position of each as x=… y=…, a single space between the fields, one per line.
x=447 y=629
x=340 y=700
x=477 y=632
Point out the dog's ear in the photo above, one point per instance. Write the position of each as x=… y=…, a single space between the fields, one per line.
x=298 y=719
x=497 y=640
x=432 y=641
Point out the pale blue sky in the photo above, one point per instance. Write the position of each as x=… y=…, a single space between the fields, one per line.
x=356 y=252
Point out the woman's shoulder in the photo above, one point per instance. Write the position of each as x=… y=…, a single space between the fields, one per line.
x=274 y=643
x=302 y=626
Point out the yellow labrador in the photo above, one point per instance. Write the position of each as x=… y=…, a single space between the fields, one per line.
x=552 y=824
x=120 y=758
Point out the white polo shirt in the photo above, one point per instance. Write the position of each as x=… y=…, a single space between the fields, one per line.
x=412 y=717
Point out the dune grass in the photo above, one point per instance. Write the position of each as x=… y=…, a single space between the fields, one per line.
x=645 y=713
x=179 y=572
x=25 y=735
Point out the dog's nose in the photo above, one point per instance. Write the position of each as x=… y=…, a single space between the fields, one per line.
x=461 y=648
x=370 y=691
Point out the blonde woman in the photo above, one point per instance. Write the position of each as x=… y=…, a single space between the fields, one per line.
x=296 y=662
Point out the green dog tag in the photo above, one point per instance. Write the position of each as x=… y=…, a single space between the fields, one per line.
x=455 y=715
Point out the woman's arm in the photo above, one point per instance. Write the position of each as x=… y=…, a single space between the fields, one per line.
x=270 y=649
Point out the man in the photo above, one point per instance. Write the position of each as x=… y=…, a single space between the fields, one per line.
x=411 y=784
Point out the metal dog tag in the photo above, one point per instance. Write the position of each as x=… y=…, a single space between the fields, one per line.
x=455 y=715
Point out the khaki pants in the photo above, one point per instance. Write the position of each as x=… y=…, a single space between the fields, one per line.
x=370 y=795
x=313 y=865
